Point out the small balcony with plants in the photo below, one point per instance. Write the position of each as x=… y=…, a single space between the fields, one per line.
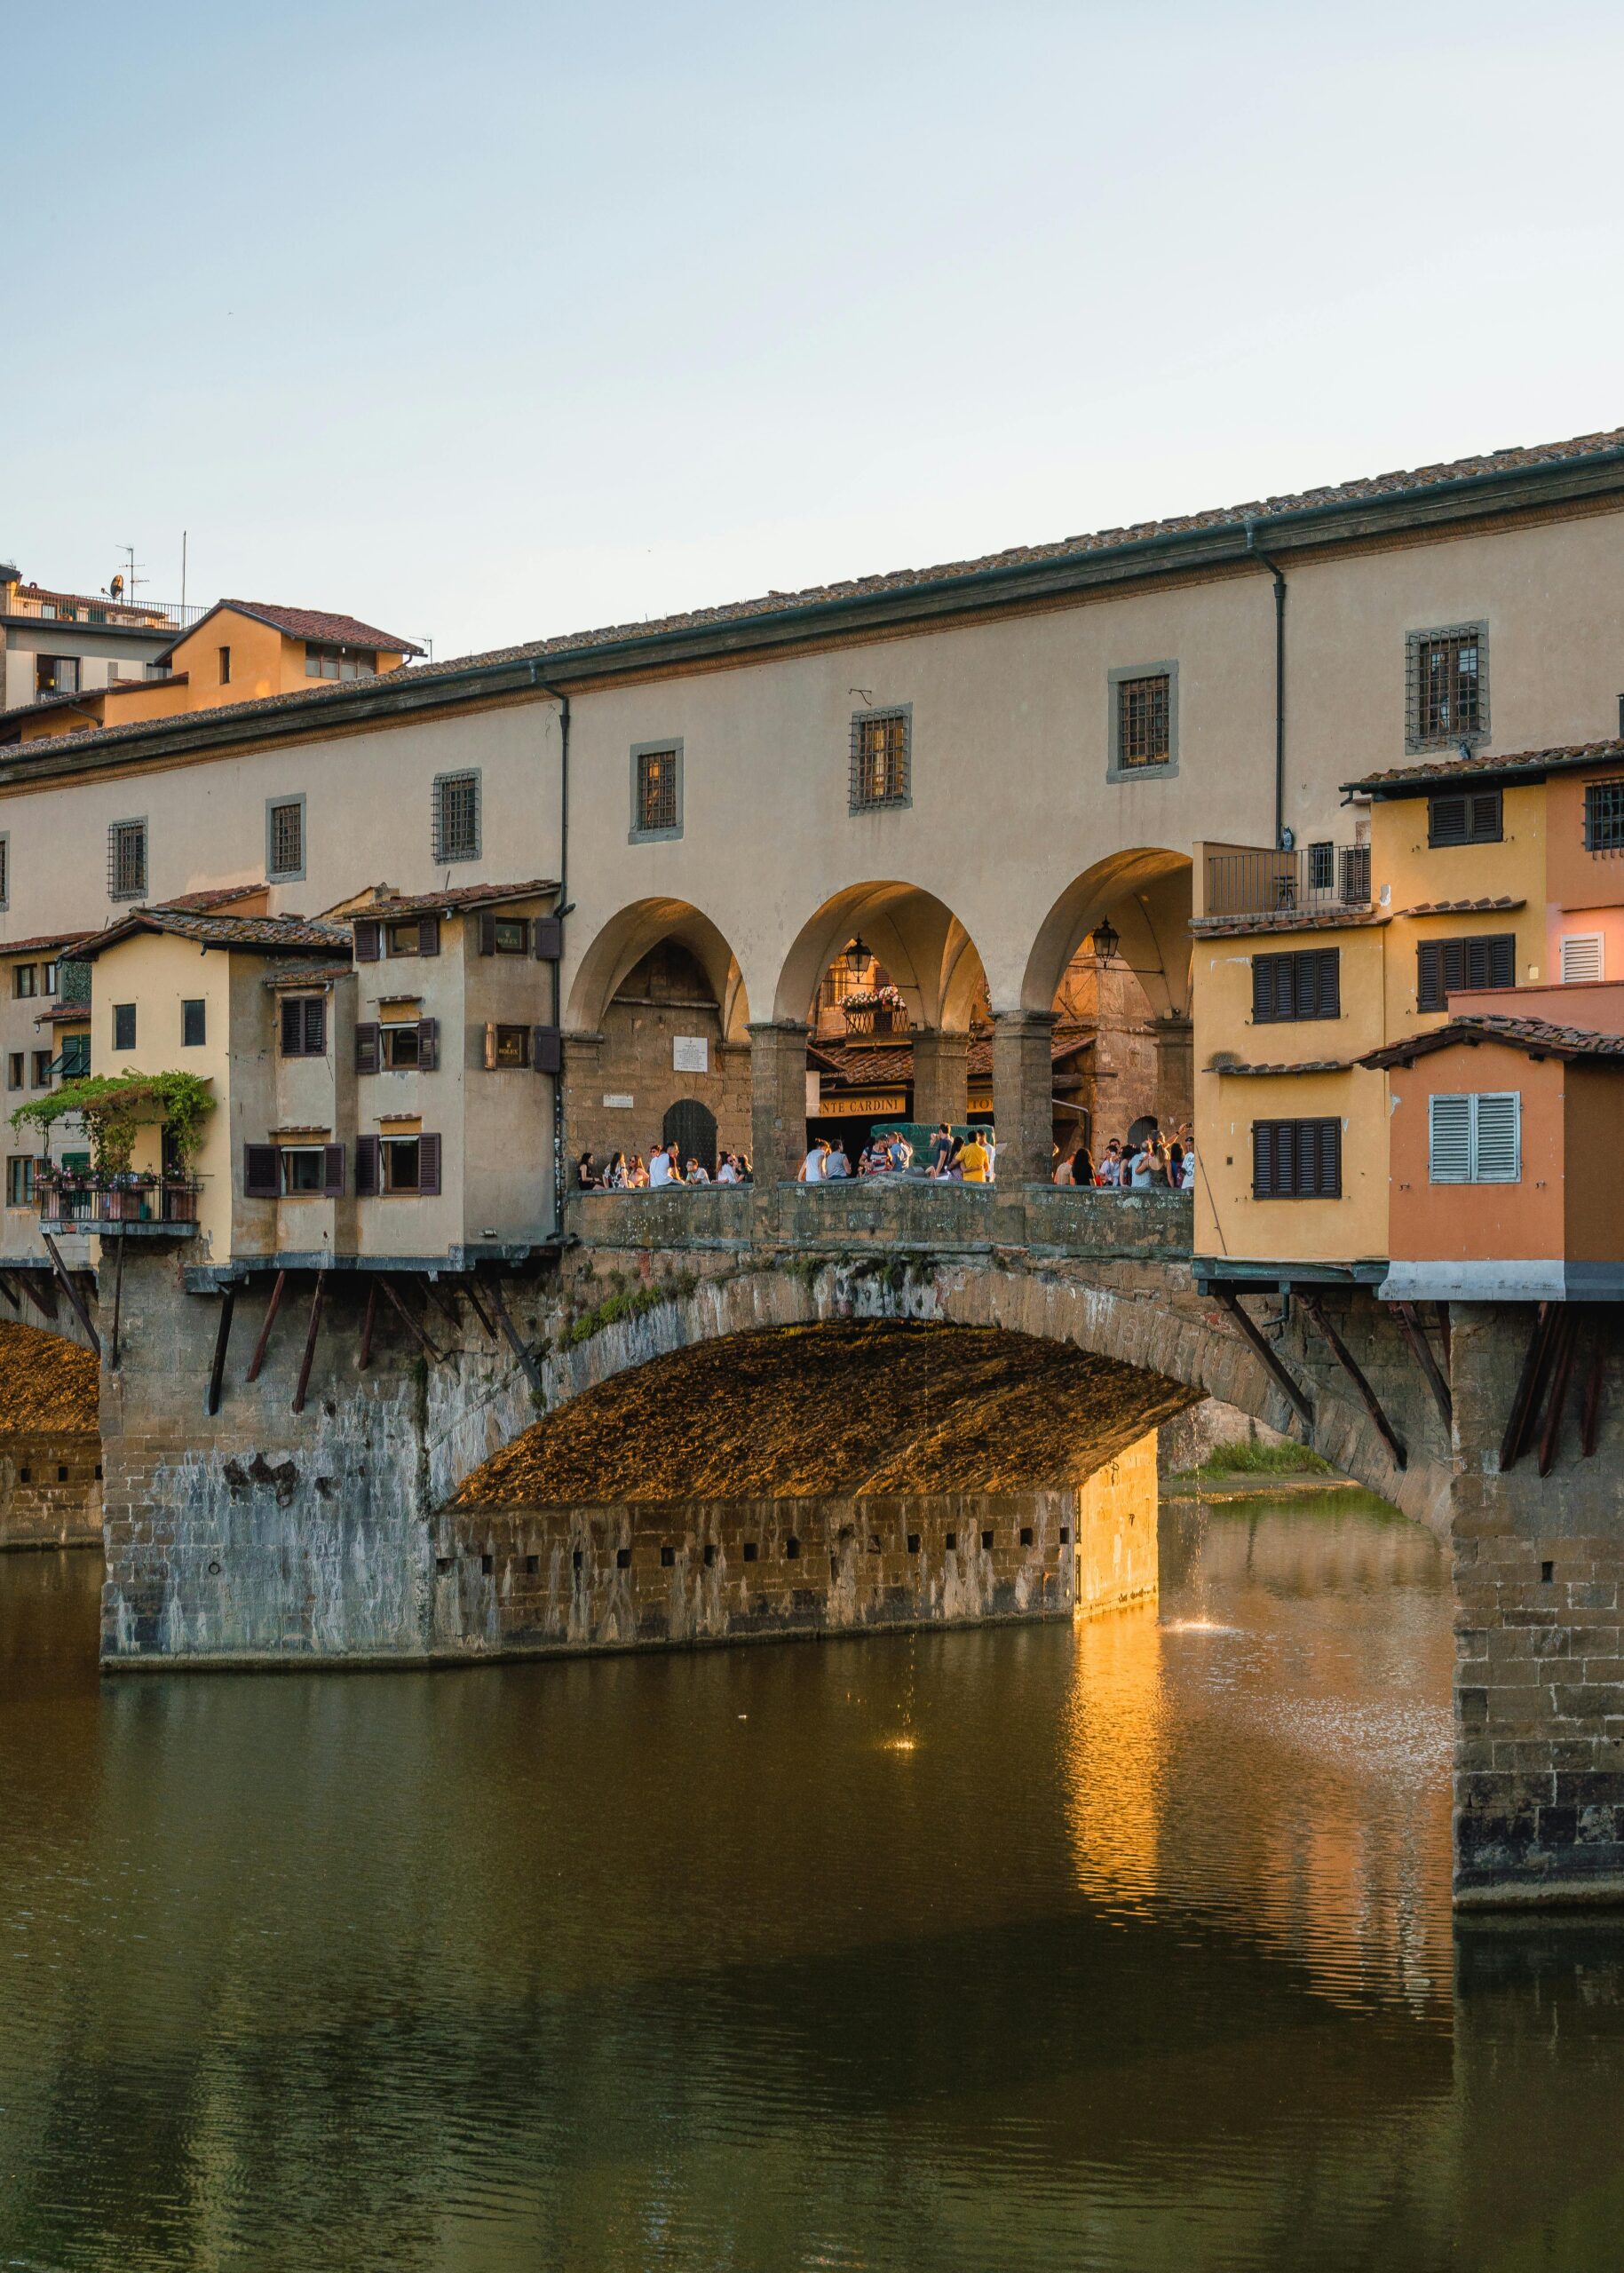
x=109 y=1114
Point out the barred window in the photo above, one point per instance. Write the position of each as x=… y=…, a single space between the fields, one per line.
x=1144 y=716
x=285 y=837
x=6 y=868
x=127 y=859
x=1604 y=816
x=456 y=816
x=880 y=758
x=657 y=788
x=1448 y=691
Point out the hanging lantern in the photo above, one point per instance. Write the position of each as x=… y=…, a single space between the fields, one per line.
x=858 y=958
x=1106 y=941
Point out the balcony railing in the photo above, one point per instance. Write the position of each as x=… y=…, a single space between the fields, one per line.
x=76 y=607
x=876 y=1021
x=1318 y=878
x=84 y=1204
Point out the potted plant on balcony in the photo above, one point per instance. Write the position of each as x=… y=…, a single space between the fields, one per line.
x=114 y=1109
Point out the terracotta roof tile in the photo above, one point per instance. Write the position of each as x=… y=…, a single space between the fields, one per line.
x=1412 y=781
x=445 y=903
x=308 y=974
x=1307 y=1065
x=1501 y=907
x=310 y=623
x=198 y=903
x=1538 y=1036
x=1317 y=919
x=43 y=940
x=270 y=934
x=63 y=1014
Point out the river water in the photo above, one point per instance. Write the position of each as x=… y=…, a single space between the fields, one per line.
x=1120 y=1946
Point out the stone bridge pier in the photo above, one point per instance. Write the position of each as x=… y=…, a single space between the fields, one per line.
x=289 y=1493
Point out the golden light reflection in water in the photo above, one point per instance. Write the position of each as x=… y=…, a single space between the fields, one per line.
x=1114 y=1743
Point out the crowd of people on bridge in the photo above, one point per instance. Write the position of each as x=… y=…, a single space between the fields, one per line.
x=1152 y=1164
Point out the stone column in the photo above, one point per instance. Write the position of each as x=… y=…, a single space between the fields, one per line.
x=1023 y=1092
x=1175 y=1040
x=778 y=1100
x=1538 y=1571
x=941 y=1076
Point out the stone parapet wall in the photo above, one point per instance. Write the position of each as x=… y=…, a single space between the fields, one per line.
x=555 y=1581
x=50 y=1490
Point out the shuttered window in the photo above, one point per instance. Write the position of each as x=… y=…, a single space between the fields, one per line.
x=1446 y=967
x=1296 y=1160
x=1475 y=1139
x=1582 y=958
x=1466 y=817
x=1306 y=984
x=304 y=1022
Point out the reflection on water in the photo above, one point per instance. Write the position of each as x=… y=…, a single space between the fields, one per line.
x=1120 y=1946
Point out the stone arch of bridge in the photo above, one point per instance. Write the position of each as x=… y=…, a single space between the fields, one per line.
x=1186 y=1349
x=927 y=952
x=629 y=935
x=1146 y=895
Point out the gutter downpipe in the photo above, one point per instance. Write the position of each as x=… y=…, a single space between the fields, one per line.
x=561 y=909
x=1277 y=574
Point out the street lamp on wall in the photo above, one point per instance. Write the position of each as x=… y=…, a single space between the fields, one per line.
x=1106 y=941
x=858 y=958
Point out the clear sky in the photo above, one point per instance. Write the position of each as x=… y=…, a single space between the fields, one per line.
x=495 y=320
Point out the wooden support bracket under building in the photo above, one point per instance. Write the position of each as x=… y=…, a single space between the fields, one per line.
x=1414 y=1333
x=476 y=1304
x=515 y=1342
x=1294 y=1396
x=1367 y=1396
x=1526 y=1401
x=216 y=1372
x=44 y=1296
x=263 y=1342
x=444 y=1303
x=9 y=1291
x=1591 y=1415
x=1568 y=1335
x=72 y=1293
x=318 y=1297
x=411 y=1324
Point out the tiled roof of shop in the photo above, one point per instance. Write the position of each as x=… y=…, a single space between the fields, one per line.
x=1307 y=1065
x=444 y=902
x=1538 y=1036
x=1407 y=780
x=1315 y=919
x=63 y=1014
x=199 y=903
x=308 y=974
x=270 y=934
x=1553 y=457
x=1501 y=907
x=868 y=1065
x=43 y=940
x=312 y=623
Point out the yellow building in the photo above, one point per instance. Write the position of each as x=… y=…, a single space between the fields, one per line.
x=242 y=651
x=1476 y=918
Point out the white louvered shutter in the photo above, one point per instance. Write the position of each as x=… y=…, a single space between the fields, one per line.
x=1449 y=1158
x=1582 y=958
x=1496 y=1135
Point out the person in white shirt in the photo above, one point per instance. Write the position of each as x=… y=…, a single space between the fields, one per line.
x=836 y=1165
x=812 y=1166
x=698 y=1173
x=1143 y=1163
x=663 y=1167
x=1186 y=1174
x=728 y=1172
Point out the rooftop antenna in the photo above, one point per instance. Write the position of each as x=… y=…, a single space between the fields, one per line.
x=131 y=578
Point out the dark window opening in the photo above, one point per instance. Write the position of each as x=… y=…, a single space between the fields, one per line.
x=123 y=1026
x=323 y=660
x=749 y=1550
x=303 y=1169
x=127 y=859
x=1605 y=817
x=951 y=1542
x=709 y=1556
x=1025 y=1534
x=25 y=980
x=193 y=1023
x=400 y=1046
x=913 y=1543
x=456 y=816
x=533 y=1564
x=668 y=1558
x=287 y=838
x=987 y=1541
x=792 y=1548
x=622 y=1558
x=1466 y=817
x=42 y=1069
x=657 y=788
x=224 y=654
x=1448 y=687
x=1321 y=866
x=304 y=1025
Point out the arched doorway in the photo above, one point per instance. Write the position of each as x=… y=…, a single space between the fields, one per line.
x=692 y=1127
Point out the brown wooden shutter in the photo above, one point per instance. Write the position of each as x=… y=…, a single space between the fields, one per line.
x=366 y=1166
x=487 y=935
x=368 y=941
x=1326 y=994
x=367 y=1047
x=1485 y=824
x=1430 y=974
x=547 y=937
x=428 y=935
x=1262 y=1159
x=428 y=1044
x=1265 y=992
x=1330 y=1159
x=293 y=1026
x=332 y=1160
x=428 y=1164
x=1447 y=820
x=315 y=1027
x=259 y=1171
x=548 y=1055
x=1491 y=961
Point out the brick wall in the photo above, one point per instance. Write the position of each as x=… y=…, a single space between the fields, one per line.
x=50 y=1490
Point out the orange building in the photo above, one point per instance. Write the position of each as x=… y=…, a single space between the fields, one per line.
x=240 y=651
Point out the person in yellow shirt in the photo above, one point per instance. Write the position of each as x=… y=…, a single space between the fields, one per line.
x=973 y=1159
